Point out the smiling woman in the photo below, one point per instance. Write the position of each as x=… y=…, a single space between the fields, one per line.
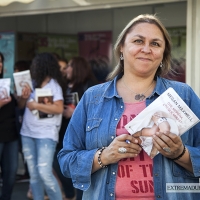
x=116 y=169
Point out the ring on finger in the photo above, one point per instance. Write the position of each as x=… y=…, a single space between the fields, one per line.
x=122 y=150
x=167 y=149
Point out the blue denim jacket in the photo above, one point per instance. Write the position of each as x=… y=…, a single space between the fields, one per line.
x=93 y=125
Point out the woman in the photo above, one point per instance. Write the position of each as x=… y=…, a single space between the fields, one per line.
x=79 y=77
x=40 y=136
x=65 y=183
x=9 y=138
x=95 y=153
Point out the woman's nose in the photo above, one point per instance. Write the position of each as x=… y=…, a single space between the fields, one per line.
x=146 y=49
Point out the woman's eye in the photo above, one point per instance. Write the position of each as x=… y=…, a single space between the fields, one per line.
x=155 y=44
x=138 y=41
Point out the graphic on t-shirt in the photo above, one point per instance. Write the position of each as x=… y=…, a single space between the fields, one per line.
x=134 y=176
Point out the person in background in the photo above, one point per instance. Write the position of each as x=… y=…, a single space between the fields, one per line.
x=9 y=138
x=79 y=78
x=96 y=153
x=65 y=183
x=40 y=136
x=63 y=66
x=19 y=66
x=100 y=68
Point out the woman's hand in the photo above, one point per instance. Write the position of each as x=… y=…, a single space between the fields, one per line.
x=68 y=111
x=31 y=105
x=5 y=101
x=168 y=144
x=112 y=155
x=26 y=92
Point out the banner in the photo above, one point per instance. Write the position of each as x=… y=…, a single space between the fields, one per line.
x=26 y=46
x=96 y=47
x=178 y=37
x=65 y=46
x=7 y=48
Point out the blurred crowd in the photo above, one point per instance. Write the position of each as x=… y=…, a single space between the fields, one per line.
x=39 y=140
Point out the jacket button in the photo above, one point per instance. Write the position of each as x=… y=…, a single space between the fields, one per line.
x=158 y=196
x=156 y=174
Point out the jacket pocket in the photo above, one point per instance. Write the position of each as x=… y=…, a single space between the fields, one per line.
x=92 y=130
x=93 y=123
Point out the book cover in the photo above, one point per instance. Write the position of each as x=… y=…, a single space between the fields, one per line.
x=167 y=113
x=5 y=88
x=43 y=96
x=21 y=80
x=71 y=99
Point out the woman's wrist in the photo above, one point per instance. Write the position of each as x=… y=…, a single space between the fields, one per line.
x=99 y=158
x=180 y=155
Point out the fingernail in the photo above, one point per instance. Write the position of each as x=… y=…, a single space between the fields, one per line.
x=128 y=142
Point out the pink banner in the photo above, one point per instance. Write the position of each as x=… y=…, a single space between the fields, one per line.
x=96 y=47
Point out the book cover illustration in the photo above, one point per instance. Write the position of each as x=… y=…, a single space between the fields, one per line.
x=21 y=80
x=167 y=113
x=5 y=88
x=71 y=99
x=43 y=96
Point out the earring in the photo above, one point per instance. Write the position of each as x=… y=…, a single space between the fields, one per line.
x=161 y=64
x=121 y=56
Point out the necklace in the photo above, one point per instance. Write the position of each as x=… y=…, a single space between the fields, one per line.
x=138 y=97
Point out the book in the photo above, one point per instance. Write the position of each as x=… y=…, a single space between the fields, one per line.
x=167 y=113
x=71 y=99
x=5 y=88
x=43 y=96
x=22 y=79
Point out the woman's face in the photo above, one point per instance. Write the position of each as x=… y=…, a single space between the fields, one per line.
x=1 y=65
x=69 y=70
x=143 y=49
x=63 y=67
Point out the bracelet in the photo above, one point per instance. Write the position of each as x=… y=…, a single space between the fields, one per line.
x=184 y=150
x=99 y=158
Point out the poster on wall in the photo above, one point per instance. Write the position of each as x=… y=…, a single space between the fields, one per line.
x=96 y=47
x=66 y=46
x=7 y=48
x=178 y=37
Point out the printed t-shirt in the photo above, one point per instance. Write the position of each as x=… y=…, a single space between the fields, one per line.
x=47 y=127
x=134 y=177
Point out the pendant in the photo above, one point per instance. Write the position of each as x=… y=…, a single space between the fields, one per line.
x=139 y=97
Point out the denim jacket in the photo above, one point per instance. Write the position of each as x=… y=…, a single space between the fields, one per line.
x=93 y=125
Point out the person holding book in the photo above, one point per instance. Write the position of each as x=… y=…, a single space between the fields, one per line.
x=19 y=66
x=100 y=156
x=9 y=137
x=40 y=136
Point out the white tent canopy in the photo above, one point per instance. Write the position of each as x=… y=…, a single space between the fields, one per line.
x=6 y=2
